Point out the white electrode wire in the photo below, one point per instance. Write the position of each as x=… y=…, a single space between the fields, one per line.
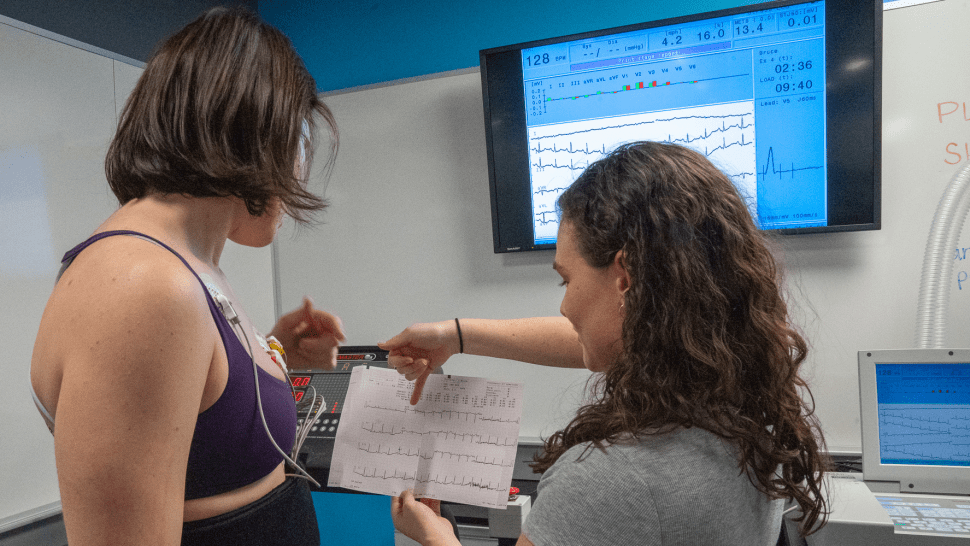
x=934 y=292
x=308 y=425
x=259 y=404
x=312 y=416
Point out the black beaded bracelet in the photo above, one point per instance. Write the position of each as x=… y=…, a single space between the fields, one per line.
x=461 y=342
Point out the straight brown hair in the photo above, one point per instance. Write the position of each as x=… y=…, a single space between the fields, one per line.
x=225 y=107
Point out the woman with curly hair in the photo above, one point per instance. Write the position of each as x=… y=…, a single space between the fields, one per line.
x=696 y=430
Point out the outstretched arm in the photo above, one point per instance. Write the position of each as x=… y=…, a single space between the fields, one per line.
x=547 y=341
x=421 y=348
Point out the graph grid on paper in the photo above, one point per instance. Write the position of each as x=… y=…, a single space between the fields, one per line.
x=457 y=444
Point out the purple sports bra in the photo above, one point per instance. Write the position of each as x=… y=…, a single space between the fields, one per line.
x=230 y=448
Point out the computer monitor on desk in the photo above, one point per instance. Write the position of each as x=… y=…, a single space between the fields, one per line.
x=916 y=420
x=915 y=454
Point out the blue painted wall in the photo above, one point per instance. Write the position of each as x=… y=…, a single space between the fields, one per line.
x=130 y=28
x=348 y=43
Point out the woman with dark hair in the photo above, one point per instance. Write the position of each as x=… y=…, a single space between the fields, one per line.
x=172 y=416
x=696 y=431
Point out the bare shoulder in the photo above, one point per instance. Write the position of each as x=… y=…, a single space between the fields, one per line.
x=121 y=301
x=130 y=279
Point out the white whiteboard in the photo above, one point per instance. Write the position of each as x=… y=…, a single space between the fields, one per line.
x=58 y=108
x=409 y=235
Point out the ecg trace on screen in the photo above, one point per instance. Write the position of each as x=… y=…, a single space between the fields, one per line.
x=787 y=170
x=457 y=444
x=558 y=153
x=929 y=434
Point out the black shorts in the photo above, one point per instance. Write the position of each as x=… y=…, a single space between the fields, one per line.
x=285 y=516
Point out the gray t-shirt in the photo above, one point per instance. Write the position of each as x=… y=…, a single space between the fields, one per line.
x=679 y=488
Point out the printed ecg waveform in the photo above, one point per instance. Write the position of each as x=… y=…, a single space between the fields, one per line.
x=558 y=153
x=929 y=434
x=457 y=444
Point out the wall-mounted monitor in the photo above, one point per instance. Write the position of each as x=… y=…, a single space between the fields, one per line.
x=784 y=97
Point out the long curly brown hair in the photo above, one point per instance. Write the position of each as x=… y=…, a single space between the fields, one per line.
x=707 y=340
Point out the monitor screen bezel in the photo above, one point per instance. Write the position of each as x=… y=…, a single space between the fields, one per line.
x=853 y=112
x=940 y=479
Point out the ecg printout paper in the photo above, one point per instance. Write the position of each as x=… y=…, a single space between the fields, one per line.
x=457 y=443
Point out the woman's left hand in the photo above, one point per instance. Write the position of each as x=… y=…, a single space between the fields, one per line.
x=421 y=521
x=310 y=337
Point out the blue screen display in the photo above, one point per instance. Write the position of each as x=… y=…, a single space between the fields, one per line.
x=924 y=414
x=747 y=91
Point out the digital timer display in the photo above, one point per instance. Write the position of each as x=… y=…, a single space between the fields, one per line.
x=299 y=382
x=330 y=385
